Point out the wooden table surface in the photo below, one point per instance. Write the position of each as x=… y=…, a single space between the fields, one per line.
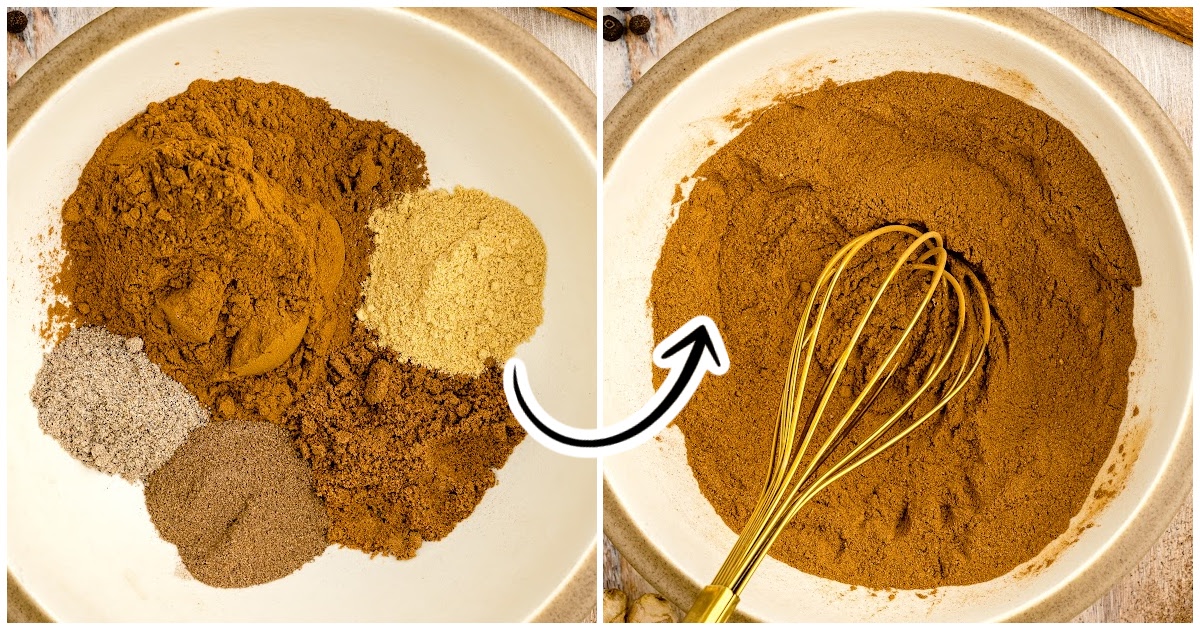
x=573 y=42
x=1160 y=587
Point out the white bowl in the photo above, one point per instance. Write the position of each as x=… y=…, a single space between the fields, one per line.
x=661 y=132
x=493 y=109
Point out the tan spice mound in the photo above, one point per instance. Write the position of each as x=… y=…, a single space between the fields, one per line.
x=456 y=279
x=238 y=503
x=109 y=406
x=225 y=226
x=401 y=453
x=985 y=486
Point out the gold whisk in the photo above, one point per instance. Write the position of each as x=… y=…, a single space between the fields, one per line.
x=795 y=479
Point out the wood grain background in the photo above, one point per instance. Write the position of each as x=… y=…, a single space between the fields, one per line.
x=573 y=42
x=1160 y=587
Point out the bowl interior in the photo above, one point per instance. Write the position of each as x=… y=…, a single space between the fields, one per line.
x=81 y=543
x=654 y=484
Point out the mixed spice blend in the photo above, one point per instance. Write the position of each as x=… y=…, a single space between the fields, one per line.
x=985 y=485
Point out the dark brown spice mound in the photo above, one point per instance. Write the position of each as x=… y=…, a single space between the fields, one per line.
x=990 y=482
x=401 y=453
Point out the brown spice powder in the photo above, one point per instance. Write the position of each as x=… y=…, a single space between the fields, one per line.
x=401 y=453
x=226 y=226
x=238 y=503
x=985 y=486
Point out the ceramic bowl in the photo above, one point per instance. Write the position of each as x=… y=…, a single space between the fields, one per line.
x=673 y=119
x=493 y=109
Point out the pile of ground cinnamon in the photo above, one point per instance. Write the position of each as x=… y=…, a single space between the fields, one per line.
x=226 y=227
x=401 y=453
x=986 y=485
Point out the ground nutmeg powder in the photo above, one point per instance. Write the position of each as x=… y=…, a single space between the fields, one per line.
x=987 y=484
x=238 y=503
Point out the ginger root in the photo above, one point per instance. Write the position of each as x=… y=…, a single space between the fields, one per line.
x=651 y=608
x=615 y=602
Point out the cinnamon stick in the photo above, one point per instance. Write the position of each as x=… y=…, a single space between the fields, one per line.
x=1174 y=22
x=583 y=15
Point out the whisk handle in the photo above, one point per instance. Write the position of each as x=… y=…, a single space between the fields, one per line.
x=715 y=604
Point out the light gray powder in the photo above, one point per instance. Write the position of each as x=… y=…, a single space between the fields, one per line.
x=111 y=408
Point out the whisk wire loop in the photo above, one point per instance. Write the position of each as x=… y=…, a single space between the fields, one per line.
x=793 y=479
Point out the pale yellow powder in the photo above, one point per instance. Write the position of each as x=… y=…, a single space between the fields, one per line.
x=456 y=278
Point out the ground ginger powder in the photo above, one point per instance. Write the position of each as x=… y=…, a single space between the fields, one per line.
x=225 y=226
x=456 y=279
x=987 y=484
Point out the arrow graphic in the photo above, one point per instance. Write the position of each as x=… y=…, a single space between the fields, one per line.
x=690 y=352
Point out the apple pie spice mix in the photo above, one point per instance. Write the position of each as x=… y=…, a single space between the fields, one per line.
x=291 y=342
x=989 y=482
x=268 y=319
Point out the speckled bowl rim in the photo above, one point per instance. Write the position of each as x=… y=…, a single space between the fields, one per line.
x=1163 y=500
x=575 y=597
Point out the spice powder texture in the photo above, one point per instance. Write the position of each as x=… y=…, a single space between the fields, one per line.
x=238 y=503
x=109 y=406
x=401 y=453
x=456 y=279
x=988 y=483
x=226 y=226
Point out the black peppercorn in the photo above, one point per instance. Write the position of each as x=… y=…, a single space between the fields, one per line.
x=17 y=21
x=639 y=25
x=613 y=29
